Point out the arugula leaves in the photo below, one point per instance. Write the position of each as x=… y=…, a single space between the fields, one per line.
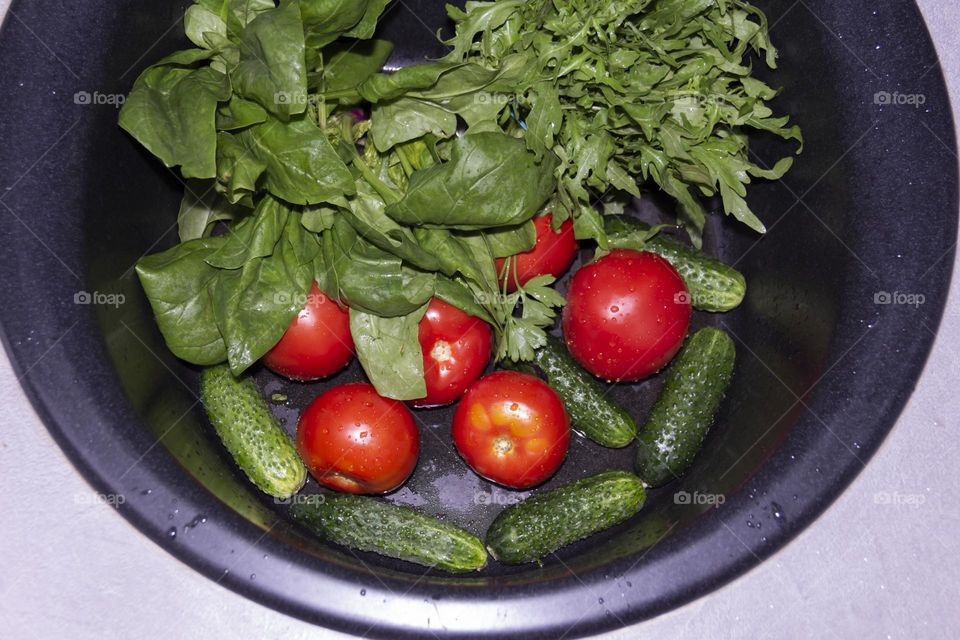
x=634 y=91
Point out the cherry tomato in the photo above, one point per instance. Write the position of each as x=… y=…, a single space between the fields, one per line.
x=512 y=428
x=626 y=315
x=353 y=439
x=553 y=254
x=456 y=350
x=317 y=343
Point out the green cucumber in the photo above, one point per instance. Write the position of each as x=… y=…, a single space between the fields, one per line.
x=254 y=437
x=370 y=524
x=591 y=409
x=713 y=286
x=545 y=522
x=694 y=388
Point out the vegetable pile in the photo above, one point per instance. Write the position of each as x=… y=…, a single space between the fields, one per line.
x=420 y=219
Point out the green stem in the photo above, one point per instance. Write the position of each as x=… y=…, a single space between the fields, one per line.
x=344 y=95
x=389 y=195
x=404 y=161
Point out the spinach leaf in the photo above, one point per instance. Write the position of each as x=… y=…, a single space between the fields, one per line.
x=407 y=119
x=178 y=284
x=255 y=237
x=199 y=20
x=509 y=241
x=272 y=69
x=368 y=23
x=295 y=158
x=201 y=208
x=318 y=218
x=464 y=253
x=326 y=20
x=239 y=114
x=171 y=112
x=465 y=297
x=491 y=180
x=389 y=351
x=372 y=280
x=381 y=87
x=239 y=13
x=238 y=170
x=348 y=64
x=255 y=304
x=367 y=217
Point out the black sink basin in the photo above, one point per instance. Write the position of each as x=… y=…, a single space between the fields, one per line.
x=846 y=292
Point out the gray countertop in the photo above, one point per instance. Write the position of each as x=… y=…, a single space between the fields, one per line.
x=882 y=562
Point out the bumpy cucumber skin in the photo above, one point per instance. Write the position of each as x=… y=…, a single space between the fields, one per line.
x=253 y=436
x=543 y=523
x=591 y=411
x=713 y=286
x=694 y=388
x=370 y=524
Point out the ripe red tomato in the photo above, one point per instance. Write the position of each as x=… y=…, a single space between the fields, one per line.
x=553 y=253
x=317 y=343
x=456 y=350
x=353 y=439
x=512 y=428
x=626 y=315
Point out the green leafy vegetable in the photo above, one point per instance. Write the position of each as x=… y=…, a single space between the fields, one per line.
x=272 y=69
x=171 y=111
x=630 y=91
x=295 y=158
x=349 y=64
x=466 y=192
x=565 y=106
x=389 y=350
x=201 y=208
x=255 y=303
x=178 y=283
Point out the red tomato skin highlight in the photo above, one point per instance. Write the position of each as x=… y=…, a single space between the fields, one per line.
x=456 y=350
x=354 y=440
x=626 y=315
x=317 y=344
x=553 y=253
x=512 y=428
